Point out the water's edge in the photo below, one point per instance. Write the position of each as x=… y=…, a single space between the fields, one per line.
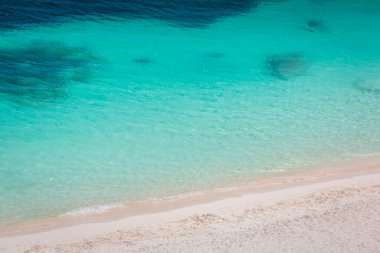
x=274 y=181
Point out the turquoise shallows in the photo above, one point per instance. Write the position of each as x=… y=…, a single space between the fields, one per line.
x=114 y=111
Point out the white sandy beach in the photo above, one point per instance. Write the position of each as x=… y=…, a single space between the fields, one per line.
x=325 y=213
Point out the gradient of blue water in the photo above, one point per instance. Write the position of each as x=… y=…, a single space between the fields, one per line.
x=186 y=13
x=98 y=110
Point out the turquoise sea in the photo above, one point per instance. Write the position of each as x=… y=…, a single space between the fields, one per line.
x=100 y=109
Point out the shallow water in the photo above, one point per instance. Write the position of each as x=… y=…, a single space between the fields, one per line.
x=140 y=100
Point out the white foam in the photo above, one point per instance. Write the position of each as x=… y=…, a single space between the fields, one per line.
x=91 y=210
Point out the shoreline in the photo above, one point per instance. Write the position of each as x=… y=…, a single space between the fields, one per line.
x=264 y=183
x=334 y=210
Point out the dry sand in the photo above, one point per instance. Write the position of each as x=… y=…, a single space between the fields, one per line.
x=337 y=212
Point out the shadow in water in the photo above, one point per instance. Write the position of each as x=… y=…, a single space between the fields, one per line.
x=286 y=66
x=41 y=70
x=315 y=25
x=370 y=86
x=143 y=60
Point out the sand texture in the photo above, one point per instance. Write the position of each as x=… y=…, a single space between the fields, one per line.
x=341 y=215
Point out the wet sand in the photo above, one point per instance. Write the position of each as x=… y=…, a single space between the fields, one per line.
x=331 y=209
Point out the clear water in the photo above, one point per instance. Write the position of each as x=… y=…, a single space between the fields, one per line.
x=97 y=109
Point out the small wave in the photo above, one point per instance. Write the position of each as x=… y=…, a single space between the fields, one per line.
x=91 y=210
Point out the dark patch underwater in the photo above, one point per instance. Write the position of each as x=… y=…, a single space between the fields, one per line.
x=40 y=71
x=315 y=25
x=369 y=86
x=285 y=66
x=187 y=13
x=143 y=60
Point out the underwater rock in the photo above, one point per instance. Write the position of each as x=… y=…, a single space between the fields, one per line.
x=143 y=60
x=315 y=25
x=286 y=66
x=41 y=69
x=214 y=55
x=371 y=86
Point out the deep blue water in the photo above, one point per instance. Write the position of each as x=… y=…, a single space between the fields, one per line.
x=188 y=13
